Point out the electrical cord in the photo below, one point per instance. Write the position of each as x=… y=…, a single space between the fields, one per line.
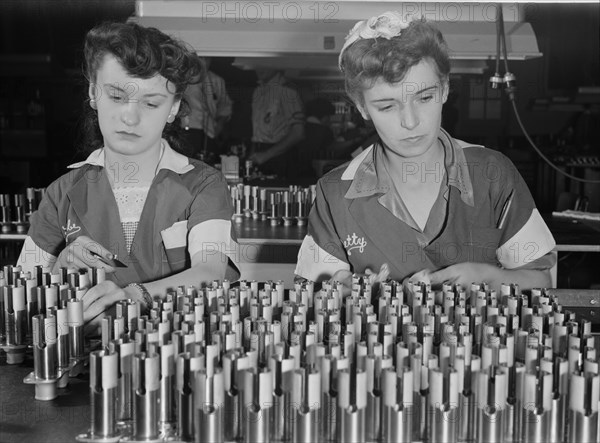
x=541 y=154
x=509 y=82
x=498 y=39
x=503 y=34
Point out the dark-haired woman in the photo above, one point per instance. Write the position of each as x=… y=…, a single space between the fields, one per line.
x=419 y=201
x=166 y=216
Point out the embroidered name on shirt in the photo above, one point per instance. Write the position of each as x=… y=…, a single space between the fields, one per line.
x=71 y=229
x=355 y=242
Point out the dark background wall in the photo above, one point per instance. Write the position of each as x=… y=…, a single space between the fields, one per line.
x=41 y=84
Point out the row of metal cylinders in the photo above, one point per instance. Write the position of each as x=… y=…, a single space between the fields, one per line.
x=444 y=366
x=323 y=329
x=328 y=397
x=58 y=339
x=262 y=204
x=22 y=297
x=15 y=209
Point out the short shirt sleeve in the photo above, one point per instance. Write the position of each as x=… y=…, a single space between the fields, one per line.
x=525 y=239
x=45 y=229
x=210 y=230
x=321 y=253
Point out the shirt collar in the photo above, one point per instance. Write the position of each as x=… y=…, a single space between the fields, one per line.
x=170 y=159
x=369 y=178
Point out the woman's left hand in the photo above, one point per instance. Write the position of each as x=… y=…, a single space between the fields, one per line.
x=96 y=301
x=462 y=273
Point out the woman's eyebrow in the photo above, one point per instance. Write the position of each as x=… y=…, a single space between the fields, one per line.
x=379 y=100
x=427 y=89
x=128 y=90
x=390 y=99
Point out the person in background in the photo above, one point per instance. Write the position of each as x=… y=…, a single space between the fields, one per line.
x=319 y=135
x=277 y=122
x=210 y=109
x=419 y=204
x=320 y=141
x=167 y=217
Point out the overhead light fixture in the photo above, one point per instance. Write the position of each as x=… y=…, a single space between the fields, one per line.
x=301 y=29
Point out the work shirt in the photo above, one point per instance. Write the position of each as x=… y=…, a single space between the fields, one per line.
x=208 y=101
x=187 y=210
x=275 y=109
x=483 y=213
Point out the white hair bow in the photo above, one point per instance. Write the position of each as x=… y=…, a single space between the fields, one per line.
x=387 y=25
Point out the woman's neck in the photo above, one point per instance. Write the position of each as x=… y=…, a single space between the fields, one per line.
x=132 y=170
x=425 y=167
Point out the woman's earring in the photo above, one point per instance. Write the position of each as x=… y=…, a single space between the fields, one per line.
x=93 y=104
x=170 y=118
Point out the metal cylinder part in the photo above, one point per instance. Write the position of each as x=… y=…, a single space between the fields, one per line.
x=208 y=407
x=514 y=402
x=184 y=378
x=45 y=374
x=491 y=393
x=327 y=420
x=421 y=398
x=466 y=396
x=62 y=340
x=352 y=405
x=584 y=396
x=557 y=431
x=234 y=362
x=397 y=405
x=15 y=316
x=373 y=413
x=32 y=306
x=306 y=399
x=281 y=412
x=535 y=407
x=167 y=376
x=44 y=347
x=76 y=338
x=124 y=404
x=257 y=404
x=443 y=401
x=103 y=391
x=146 y=387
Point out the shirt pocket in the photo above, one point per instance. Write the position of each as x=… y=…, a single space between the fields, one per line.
x=484 y=241
x=175 y=242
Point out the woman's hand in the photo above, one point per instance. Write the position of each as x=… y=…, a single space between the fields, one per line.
x=422 y=276
x=83 y=252
x=380 y=277
x=463 y=274
x=345 y=278
x=98 y=300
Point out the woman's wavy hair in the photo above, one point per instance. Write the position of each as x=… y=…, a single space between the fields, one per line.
x=143 y=53
x=367 y=60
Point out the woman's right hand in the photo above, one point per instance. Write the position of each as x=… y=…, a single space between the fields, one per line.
x=423 y=276
x=345 y=277
x=83 y=253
